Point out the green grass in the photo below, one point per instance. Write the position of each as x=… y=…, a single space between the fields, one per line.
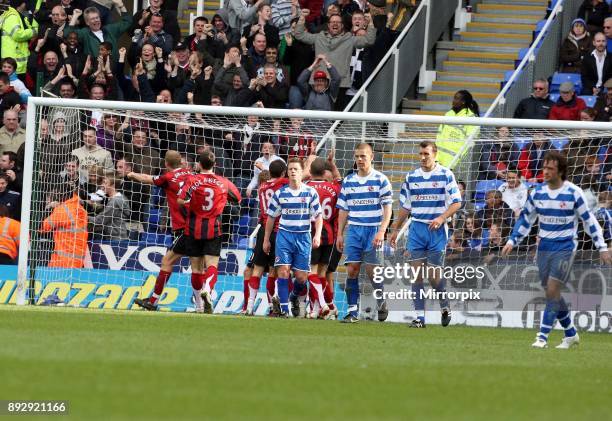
x=128 y=365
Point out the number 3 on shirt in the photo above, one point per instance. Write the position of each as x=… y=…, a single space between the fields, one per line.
x=209 y=195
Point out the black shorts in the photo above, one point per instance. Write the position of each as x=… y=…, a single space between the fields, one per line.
x=334 y=260
x=179 y=243
x=199 y=248
x=260 y=258
x=321 y=255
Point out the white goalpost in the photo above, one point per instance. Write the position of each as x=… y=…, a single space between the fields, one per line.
x=126 y=227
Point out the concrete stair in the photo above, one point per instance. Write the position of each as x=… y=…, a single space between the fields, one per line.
x=479 y=57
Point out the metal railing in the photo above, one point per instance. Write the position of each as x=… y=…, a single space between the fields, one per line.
x=540 y=61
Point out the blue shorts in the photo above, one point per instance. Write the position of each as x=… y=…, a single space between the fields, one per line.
x=426 y=244
x=358 y=245
x=293 y=249
x=555 y=264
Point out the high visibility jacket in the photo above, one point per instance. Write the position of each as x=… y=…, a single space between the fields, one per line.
x=17 y=31
x=68 y=222
x=9 y=236
x=451 y=138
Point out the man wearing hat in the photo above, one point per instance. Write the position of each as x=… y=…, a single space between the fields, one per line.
x=568 y=106
x=323 y=93
x=597 y=67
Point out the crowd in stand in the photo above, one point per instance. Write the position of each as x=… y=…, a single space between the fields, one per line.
x=306 y=54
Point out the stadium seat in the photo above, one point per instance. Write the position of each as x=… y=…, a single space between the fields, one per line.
x=558 y=78
x=521 y=143
x=554 y=97
x=243 y=225
x=482 y=187
x=559 y=143
x=536 y=32
x=589 y=100
x=479 y=205
x=521 y=55
x=153 y=219
x=242 y=243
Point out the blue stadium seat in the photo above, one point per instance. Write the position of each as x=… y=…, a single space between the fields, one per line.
x=242 y=243
x=536 y=32
x=554 y=97
x=521 y=55
x=589 y=100
x=243 y=225
x=482 y=187
x=153 y=219
x=479 y=205
x=603 y=151
x=558 y=78
x=559 y=143
x=521 y=142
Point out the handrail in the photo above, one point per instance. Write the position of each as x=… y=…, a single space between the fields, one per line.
x=502 y=94
x=377 y=69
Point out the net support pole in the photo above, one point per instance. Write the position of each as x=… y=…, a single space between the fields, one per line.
x=26 y=205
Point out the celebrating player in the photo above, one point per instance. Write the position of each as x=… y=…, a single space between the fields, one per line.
x=328 y=189
x=365 y=204
x=431 y=196
x=261 y=259
x=207 y=194
x=296 y=204
x=557 y=205
x=170 y=182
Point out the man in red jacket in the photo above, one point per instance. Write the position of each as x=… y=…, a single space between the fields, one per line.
x=568 y=106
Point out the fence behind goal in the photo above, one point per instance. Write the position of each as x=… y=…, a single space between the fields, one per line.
x=95 y=239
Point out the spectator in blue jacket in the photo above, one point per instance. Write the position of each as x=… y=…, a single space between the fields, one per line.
x=324 y=91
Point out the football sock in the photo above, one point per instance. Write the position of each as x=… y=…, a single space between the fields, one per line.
x=419 y=301
x=245 y=289
x=210 y=276
x=160 y=283
x=317 y=288
x=548 y=318
x=197 y=280
x=254 y=283
x=328 y=292
x=299 y=289
x=271 y=287
x=352 y=296
x=565 y=319
x=283 y=293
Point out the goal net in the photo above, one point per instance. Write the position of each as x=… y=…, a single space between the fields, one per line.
x=96 y=239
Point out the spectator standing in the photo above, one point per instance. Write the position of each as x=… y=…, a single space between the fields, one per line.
x=514 y=191
x=575 y=47
x=154 y=34
x=12 y=135
x=494 y=210
x=9 y=237
x=607 y=30
x=596 y=67
x=497 y=156
x=603 y=105
x=9 y=198
x=268 y=155
x=283 y=12
x=450 y=138
x=8 y=166
x=9 y=99
x=241 y=13
x=323 y=93
x=94 y=34
x=92 y=154
x=594 y=12
x=68 y=223
x=139 y=153
x=263 y=25
x=9 y=66
x=18 y=28
x=538 y=105
x=337 y=46
x=531 y=161
x=568 y=106
x=142 y=19
x=111 y=223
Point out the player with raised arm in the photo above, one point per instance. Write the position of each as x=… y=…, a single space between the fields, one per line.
x=171 y=182
x=430 y=195
x=328 y=187
x=261 y=259
x=365 y=205
x=207 y=194
x=557 y=204
x=297 y=205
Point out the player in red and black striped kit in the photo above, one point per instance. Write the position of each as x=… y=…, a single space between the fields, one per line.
x=171 y=182
x=207 y=194
x=261 y=260
x=325 y=179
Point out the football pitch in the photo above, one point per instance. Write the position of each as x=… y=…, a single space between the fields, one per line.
x=137 y=365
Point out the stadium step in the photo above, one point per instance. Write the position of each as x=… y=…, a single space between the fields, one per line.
x=474 y=67
x=511 y=9
x=476 y=36
x=454 y=86
x=485 y=57
x=444 y=106
x=448 y=95
x=502 y=28
x=493 y=77
x=518 y=2
x=490 y=47
x=505 y=18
